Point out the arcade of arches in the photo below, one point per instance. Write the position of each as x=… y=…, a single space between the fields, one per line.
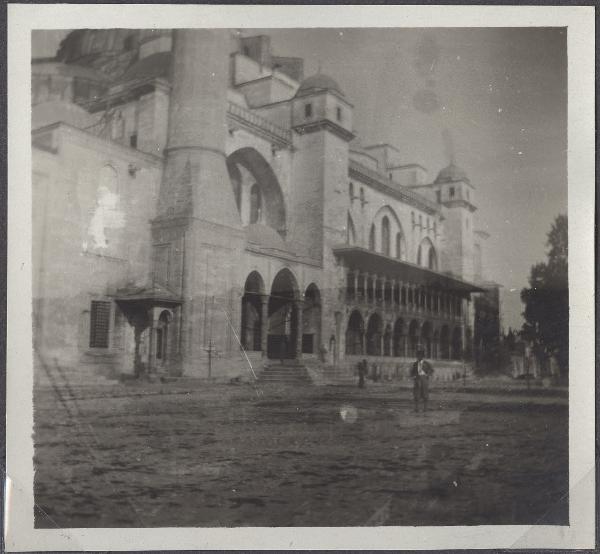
x=416 y=316
x=402 y=338
x=283 y=323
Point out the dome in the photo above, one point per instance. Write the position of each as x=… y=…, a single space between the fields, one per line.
x=154 y=66
x=451 y=174
x=318 y=82
x=266 y=237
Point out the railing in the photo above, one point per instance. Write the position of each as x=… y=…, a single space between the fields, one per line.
x=256 y=121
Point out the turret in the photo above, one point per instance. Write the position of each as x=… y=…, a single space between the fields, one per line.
x=454 y=191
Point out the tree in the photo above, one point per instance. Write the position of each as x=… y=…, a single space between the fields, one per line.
x=547 y=300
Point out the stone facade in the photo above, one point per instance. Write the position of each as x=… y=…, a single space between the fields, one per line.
x=200 y=211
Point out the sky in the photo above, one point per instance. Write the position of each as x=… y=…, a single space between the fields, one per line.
x=495 y=99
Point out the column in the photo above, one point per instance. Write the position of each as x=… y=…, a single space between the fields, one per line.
x=374 y=288
x=393 y=284
x=365 y=287
x=264 y=323
x=384 y=281
x=355 y=275
x=298 y=346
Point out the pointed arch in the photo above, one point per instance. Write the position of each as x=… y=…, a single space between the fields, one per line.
x=350 y=231
x=269 y=205
x=385 y=235
x=355 y=331
x=426 y=254
x=252 y=316
x=311 y=320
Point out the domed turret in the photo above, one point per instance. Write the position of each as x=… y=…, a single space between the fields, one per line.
x=317 y=83
x=451 y=174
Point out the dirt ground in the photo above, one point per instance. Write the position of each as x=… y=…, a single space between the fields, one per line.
x=207 y=455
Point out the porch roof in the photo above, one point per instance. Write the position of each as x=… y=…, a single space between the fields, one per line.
x=154 y=294
x=360 y=258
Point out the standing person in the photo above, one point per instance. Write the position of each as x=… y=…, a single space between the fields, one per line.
x=420 y=372
x=362 y=371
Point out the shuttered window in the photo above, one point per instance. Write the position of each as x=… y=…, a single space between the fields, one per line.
x=99 y=324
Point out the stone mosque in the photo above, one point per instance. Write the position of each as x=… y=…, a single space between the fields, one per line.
x=203 y=209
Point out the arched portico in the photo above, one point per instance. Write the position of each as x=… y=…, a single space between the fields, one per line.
x=252 y=312
x=285 y=318
x=355 y=331
x=399 y=338
x=311 y=317
x=374 y=335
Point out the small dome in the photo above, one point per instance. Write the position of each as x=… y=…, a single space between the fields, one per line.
x=265 y=237
x=451 y=174
x=155 y=66
x=318 y=82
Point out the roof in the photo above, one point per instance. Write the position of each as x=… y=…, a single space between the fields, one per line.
x=318 y=82
x=451 y=174
x=154 y=294
x=155 y=66
x=374 y=262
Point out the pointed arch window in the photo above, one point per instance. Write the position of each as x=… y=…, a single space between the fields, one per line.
x=350 y=232
x=255 y=204
x=372 y=238
x=385 y=236
x=399 y=248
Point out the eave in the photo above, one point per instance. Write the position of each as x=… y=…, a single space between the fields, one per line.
x=357 y=257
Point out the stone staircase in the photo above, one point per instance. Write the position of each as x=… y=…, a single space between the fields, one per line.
x=289 y=372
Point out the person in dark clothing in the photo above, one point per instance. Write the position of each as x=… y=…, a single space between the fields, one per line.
x=362 y=371
x=420 y=372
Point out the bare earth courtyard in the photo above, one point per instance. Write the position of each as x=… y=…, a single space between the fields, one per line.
x=200 y=454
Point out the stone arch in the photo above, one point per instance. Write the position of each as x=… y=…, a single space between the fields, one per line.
x=413 y=337
x=350 y=231
x=355 y=331
x=399 y=338
x=252 y=312
x=426 y=254
x=311 y=320
x=248 y=168
x=284 y=316
x=385 y=235
x=395 y=231
x=372 y=234
x=387 y=340
x=374 y=335
x=162 y=336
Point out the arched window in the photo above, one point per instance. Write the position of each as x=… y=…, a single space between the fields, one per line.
x=385 y=236
x=350 y=232
x=372 y=238
x=255 y=204
x=351 y=192
x=399 y=248
x=419 y=255
x=432 y=262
